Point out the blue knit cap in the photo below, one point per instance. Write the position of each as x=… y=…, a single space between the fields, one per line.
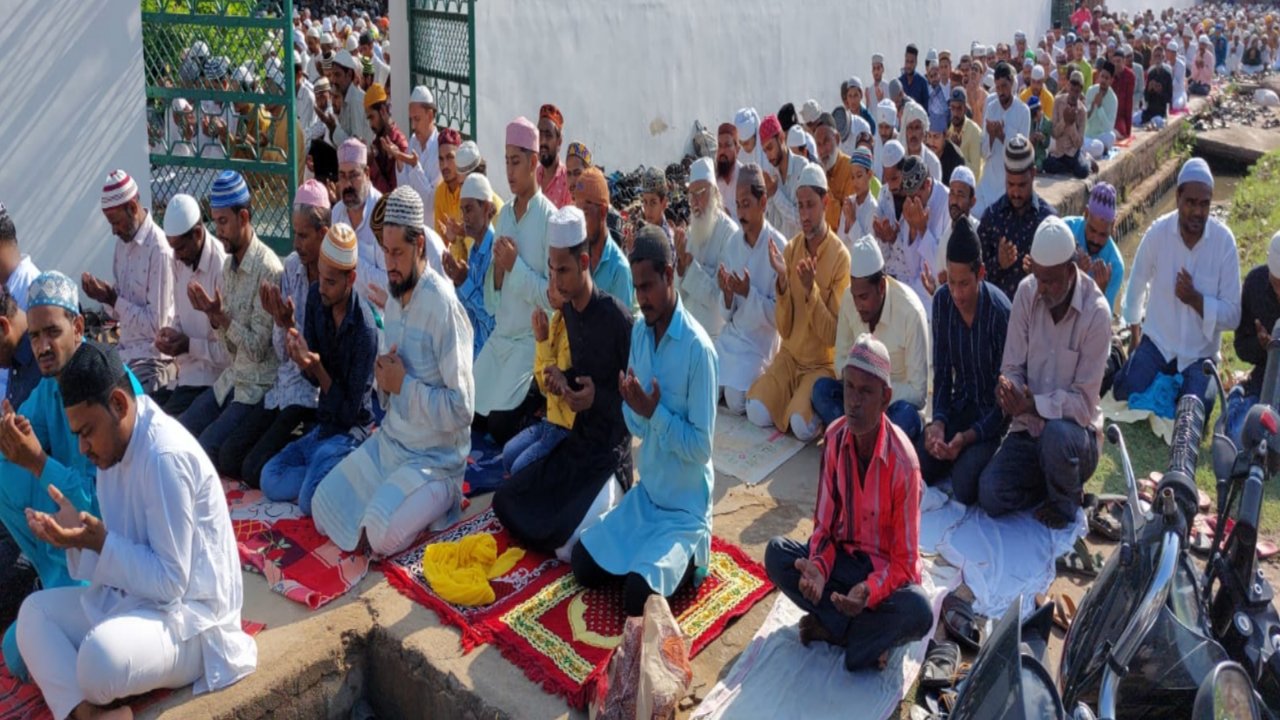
x=228 y=190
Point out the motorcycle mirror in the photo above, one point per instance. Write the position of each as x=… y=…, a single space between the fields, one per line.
x=1226 y=693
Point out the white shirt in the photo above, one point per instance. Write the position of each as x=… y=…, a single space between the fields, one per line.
x=170 y=548
x=20 y=280
x=864 y=215
x=729 y=191
x=371 y=264
x=906 y=260
x=1177 y=330
x=699 y=287
x=352 y=123
x=305 y=108
x=424 y=176
x=205 y=358
x=1017 y=119
x=749 y=338
x=782 y=212
x=143 y=270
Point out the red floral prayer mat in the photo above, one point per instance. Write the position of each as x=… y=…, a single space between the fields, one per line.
x=533 y=573
x=278 y=542
x=562 y=636
x=23 y=701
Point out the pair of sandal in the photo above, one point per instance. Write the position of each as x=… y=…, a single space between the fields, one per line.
x=1064 y=609
x=1080 y=561
x=1205 y=527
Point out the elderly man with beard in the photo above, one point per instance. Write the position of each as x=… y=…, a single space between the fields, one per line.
x=810 y=277
x=334 y=352
x=39 y=449
x=421 y=168
x=1055 y=353
x=141 y=299
x=1183 y=293
x=836 y=164
x=407 y=477
x=783 y=213
x=1006 y=116
x=749 y=338
x=359 y=197
x=467 y=272
x=218 y=416
x=1009 y=225
x=609 y=268
x=915 y=121
x=387 y=144
x=700 y=249
x=910 y=245
x=727 y=167
x=506 y=398
x=1098 y=254
x=551 y=175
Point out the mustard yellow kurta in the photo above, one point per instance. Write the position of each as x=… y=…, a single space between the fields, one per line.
x=840 y=187
x=448 y=204
x=807 y=325
x=554 y=351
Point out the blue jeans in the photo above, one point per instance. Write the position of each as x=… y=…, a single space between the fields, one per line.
x=296 y=471
x=1146 y=362
x=828 y=403
x=1238 y=406
x=215 y=426
x=532 y=443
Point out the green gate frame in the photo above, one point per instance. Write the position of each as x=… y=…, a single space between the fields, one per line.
x=236 y=29
x=442 y=56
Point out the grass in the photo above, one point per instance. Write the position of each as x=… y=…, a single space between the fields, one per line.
x=1254 y=218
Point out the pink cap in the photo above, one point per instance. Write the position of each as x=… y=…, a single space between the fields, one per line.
x=523 y=134
x=770 y=127
x=312 y=193
x=353 y=151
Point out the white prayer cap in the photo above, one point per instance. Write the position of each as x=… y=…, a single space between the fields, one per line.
x=887 y=113
x=326 y=38
x=797 y=137
x=352 y=43
x=1172 y=46
x=328 y=24
x=877 y=59
x=404 y=208
x=182 y=214
x=1019 y=35
x=346 y=60
x=314 y=32
x=1204 y=40
x=858 y=126
x=747 y=121
x=912 y=112
x=118 y=189
x=1054 y=244
x=813 y=176
x=854 y=82
x=1195 y=170
x=865 y=258
x=702 y=170
x=567 y=228
x=180 y=105
x=468 y=157
x=1037 y=72
x=1273 y=256
x=810 y=111
x=892 y=153
x=422 y=94
x=964 y=175
x=930 y=57
x=477 y=187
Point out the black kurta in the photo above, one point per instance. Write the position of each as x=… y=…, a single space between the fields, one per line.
x=544 y=503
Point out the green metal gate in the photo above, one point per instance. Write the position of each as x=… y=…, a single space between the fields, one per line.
x=442 y=56
x=220 y=95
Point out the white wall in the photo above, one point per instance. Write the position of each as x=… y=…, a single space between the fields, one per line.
x=74 y=109
x=631 y=76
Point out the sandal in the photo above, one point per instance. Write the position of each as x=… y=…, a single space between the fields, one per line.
x=940 y=665
x=1078 y=561
x=1267 y=549
x=1200 y=540
x=1064 y=612
x=1104 y=518
x=1204 y=500
x=961 y=624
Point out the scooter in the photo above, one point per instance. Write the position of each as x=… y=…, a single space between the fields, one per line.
x=1155 y=637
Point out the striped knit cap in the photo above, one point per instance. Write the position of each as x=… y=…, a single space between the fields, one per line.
x=379 y=216
x=404 y=207
x=1019 y=156
x=118 y=189
x=1102 y=202
x=870 y=355
x=228 y=190
x=339 y=247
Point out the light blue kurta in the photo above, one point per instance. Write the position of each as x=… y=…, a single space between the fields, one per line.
x=504 y=367
x=426 y=434
x=666 y=518
x=613 y=275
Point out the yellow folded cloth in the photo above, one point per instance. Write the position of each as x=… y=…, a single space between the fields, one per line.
x=460 y=571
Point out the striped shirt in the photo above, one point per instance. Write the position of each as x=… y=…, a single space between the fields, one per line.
x=291 y=387
x=966 y=360
x=878 y=515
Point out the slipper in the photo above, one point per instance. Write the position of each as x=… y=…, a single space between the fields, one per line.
x=1267 y=549
x=940 y=665
x=961 y=624
x=1204 y=500
x=1200 y=540
x=1060 y=616
x=1078 y=561
x=1104 y=519
x=1068 y=611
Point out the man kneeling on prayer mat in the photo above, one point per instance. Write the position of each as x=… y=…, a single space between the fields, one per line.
x=162 y=607
x=408 y=475
x=659 y=536
x=858 y=576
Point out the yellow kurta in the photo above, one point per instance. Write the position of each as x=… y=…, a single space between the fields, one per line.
x=839 y=187
x=807 y=325
x=554 y=352
x=448 y=204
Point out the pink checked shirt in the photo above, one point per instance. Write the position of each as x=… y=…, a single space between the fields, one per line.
x=557 y=188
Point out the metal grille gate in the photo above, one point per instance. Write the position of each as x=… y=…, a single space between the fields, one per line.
x=220 y=95
x=442 y=56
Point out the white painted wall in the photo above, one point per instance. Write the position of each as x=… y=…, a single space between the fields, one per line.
x=74 y=109
x=631 y=76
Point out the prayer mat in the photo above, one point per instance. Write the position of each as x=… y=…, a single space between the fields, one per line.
x=747 y=452
x=563 y=635
x=279 y=543
x=23 y=701
x=484 y=465
x=533 y=573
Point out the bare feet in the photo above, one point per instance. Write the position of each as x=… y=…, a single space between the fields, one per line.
x=85 y=711
x=1051 y=519
x=811 y=629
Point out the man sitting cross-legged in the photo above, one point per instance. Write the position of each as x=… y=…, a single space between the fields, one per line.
x=858 y=576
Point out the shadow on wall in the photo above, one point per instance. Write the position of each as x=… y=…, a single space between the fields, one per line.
x=74 y=109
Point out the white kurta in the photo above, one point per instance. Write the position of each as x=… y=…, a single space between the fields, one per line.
x=1017 y=119
x=781 y=211
x=352 y=123
x=699 y=288
x=906 y=260
x=749 y=338
x=504 y=367
x=864 y=215
x=425 y=175
x=205 y=358
x=143 y=270
x=169 y=570
x=729 y=191
x=371 y=264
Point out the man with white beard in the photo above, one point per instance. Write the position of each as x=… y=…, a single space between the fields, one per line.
x=749 y=337
x=727 y=167
x=700 y=249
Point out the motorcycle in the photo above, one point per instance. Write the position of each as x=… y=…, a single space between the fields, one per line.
x=1156 y=636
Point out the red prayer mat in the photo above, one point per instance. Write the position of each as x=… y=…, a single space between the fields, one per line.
x=278 y=542
x=533 y=573
x=563 y=635
x=23 y=701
